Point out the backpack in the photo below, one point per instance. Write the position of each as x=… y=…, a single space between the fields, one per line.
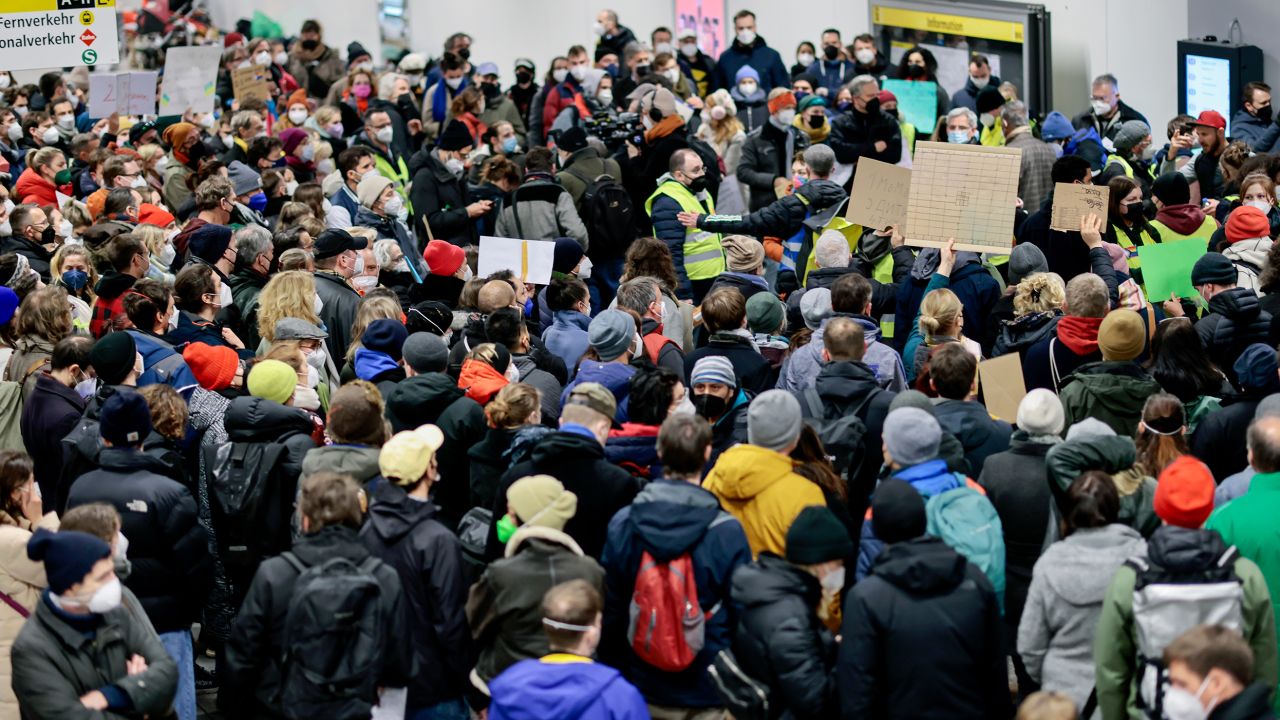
x=608 y=213
x=967 y=522
x=744 y=697
x=667 y=627
x=250 y=500
x=1166 y=604
x=334 y=635
x=843 y=437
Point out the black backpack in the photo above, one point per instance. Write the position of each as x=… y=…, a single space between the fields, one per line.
x=745 y=697
x=843 y=436
x=334 y=640
x=609 y=215
x=251 y=500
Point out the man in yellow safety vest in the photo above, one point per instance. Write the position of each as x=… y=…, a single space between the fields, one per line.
x=697 y=254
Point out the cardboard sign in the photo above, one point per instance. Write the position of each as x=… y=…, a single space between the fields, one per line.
x=1002 y=385
x=917 y=103
x=530 y=260
x=966 y=192
x=250 y=82
x=1072 y=201
x=58 y=33
x=1166 y=268
x=125 y=93
x=190 y=73
x=879 y=197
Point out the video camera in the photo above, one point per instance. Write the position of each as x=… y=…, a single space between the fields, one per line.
x=614 y=130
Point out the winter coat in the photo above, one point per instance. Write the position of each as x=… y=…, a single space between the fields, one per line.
x=842 y=386
x=545 y=382
x=1249 y=256
x=753 y=372
x=763 y=59
x=981 y=435
x=246 y=288
x=854 y=135
x=1055 y=636
x=804 y=364
x=1035 y=178
x=1019 y=334
x=567 y=337
x=22 y=579
x=37 y=256
x=1248 y=522
x=253 y=654
x=929 y=478
x=56 y=662
x=634 y=448
x=391 y=228
x=884 y=296
x=1218 y=438
x=746 y=283
x=1253 y=703
x=489 y=461
x=1261 y=136
x=546 y=213
x=316 y=72
x=730 y=429
x=967 y=96
x=759 y=488
x=404 y=533
x=762 y=162
x=562 y=686
x=779 y=639
x=1017 y=484
x=579 y=463
x=172 y=567
x=1113 y=392
x=32 y=189
x=480 y=381
x=1182 y=552
x=162 y=363
x=970 y=281
x=504 y=608
x=440 y=198
x=668 y=519
x=359 y=462
x=615 y=376
x=583 y=168
x=1114 y=455
x=1037 y=365
x=922 y=638
x=1110 y=127
x=31 y=356
x=1235 y=321
x=338 y=313
x=51 y=411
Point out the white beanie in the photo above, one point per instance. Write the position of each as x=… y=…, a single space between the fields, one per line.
x=1040 y=413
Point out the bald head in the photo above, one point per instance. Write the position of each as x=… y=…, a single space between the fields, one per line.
x=495 y=295
x=680 y=159
x=843 y=340
x=1264 y=444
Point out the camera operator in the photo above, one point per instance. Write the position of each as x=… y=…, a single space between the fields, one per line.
x=581 y=164
x=647 y=161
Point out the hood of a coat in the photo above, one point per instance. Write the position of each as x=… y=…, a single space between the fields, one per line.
x=393 y=514
x=1182 y=219
x=840 y=379
x=822 y=194
x=330 y=542
x=480 y=380
x=921 y=566
x=1185 y=550
x=771 y=579
x=1239 y=304
x=425 y=395
x=255 y=419
x=535 y=690
x=358 y=461
x=113 y=285
x=1025 y=331
x=371 y=363
x=1117 y=386
x=1252 y=251
x=1074 y=563
x=559 y=446
x=670 y=517
x=128 y=460
x=744 y=471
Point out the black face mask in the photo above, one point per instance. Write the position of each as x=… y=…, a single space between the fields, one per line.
x=698 y=184
x=1133 y=212
x=710 y=406
x=893 y=112
x=815 y=121
x=915 y=72
x=642 y=70
x=524 y=77
x=830 y=52
x=873 y=106
x=465 y=53
x=490 y=90
x=310 y=45
x=1263 y=114
x=47 y=236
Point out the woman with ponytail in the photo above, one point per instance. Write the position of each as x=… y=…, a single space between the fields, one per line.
x=515 y=407
x=1162 y=434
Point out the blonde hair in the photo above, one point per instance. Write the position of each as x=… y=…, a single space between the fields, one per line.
x=360 y=231
x=1039 y=292
x=940 y=310
x=66 y=251
x=1044 y=705
x=75 y=212
x=373 y=307
x=326 y=115
x=722 y=131
x=168 y=410
x=512 y=406
x=151 y=236
x=290 y=294
x=150 y=152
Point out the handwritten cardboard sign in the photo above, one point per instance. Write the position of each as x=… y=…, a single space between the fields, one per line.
x=966 y=192
x=190 y=72
x=530 y=260
x=1072 y=201
x=879 y=197
x=251 y=82
x=1002 y=385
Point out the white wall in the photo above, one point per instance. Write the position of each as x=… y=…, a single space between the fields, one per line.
x=1257 y=22
x=342 y=20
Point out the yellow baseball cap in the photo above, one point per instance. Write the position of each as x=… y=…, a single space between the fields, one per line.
x=405 y=457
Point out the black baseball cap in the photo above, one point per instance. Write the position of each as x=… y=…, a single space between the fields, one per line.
x=335 y=241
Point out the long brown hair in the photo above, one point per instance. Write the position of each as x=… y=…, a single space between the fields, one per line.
x=651 y=256
x=1162 y=436
x=812 y=463
x=15 y=470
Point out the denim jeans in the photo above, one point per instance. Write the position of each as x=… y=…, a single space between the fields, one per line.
x=178 y=645
x=606 y=275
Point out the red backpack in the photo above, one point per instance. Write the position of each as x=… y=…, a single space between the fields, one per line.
x=667 y=626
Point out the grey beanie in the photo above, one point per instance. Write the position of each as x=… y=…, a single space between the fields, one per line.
x=912 y=399
x=912 y=436
x=1040 y=413
x=1130 y=133
x=1025 y=260
x=773 y=420
x=425 y=352
x=611 y=333
x=1089 y=428
x=815 y=306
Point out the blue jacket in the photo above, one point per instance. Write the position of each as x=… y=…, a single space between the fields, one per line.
x=567 y=337
x=669 y=230
x=564 y=687
x=766 y=61
x=981 y=435
x=613 y=375
x=162 y=364
x=635 y=445
x=1260 y=136
x=833 y=74
x=669 y=518
x=929 y=479
x=970 y=281
x=967 y=96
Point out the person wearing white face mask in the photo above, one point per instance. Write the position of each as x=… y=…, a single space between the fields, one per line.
x=1211 y=677
x=693 y=62
x=337 y=261
x=379 y=136
x=64 y=118
x=199 y=295
x=750 y=49
x=867 y=59
x=980 y=76
x=1107 y=112
x=436 y=100
x=383 y=210
x=612 y=36
x=665 y=65
x=568 y=90
x=440 y=197
x=83 y=588
x=767 y=155
x=254 y=256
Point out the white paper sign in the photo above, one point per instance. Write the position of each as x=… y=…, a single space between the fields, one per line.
x=189 y=76
x=125 y=93
x=142 y=93
x=530 y=260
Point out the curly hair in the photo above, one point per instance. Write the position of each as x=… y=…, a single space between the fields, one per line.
x=168 y=410
x=1039 y=292
x=649 y=256
x=290 y=294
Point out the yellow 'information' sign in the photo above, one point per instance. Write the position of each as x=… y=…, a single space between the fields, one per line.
x=948 y=24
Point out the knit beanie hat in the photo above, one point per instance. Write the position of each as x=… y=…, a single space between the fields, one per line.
x=566 y=256
x=785 y=100
x=213 y=365
x=1025 y=260
x=125 y=419
x=1256 y=369
x=572 y=140
x=742 y=253
x=774 y=420
x=425 y=352
x=291 y=138
x=68 y=556
x=1122 y=335
x=816 y=536
x=1214 y=267
x=272 y=380
x=455 y=137
x=149 y=214
x=431 y=316
x=1088 y=429
x=244 y=179
x=897 y=512
x=542 y=501
x=1247 y=223
x=1130 y=133
x=912 y=399
x=1184 y=493
x=370 y=188
x=1056 y=127
x=113 y=357
x=713 y=369
x=912 y=436
x=746 y=71
x=443 y=258
x=815 y=306
x=611 y=333
x=1171 y=188
x=1040 y=413
x=385 y=336
x=989 y=99
x=209 y=242
x=765 y=313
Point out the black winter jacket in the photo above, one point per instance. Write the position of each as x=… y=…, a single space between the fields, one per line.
x=854 y=135
x=842 y=387
x=253 y=652
x=404 y=533
x=172 y=568
x=442 y=199
x=763 y=162
x=779 y=639
x=338 y=314
x=922 y=638
x=755 y=374
x=48 y=415
x=783 y=217
x=1235 y=321
x=1219 y=438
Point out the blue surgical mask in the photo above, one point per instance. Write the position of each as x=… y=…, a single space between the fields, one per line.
x=510 y=144
x=528 y=307
x=612 y=69
x=258 y=201
x=75 y=279
x=957 y=137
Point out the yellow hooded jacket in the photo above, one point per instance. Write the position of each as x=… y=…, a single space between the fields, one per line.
x=758 y=487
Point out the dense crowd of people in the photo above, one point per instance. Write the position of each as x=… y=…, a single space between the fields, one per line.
x=266 y=433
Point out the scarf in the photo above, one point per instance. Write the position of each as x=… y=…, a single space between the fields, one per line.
x=1080 y=334
x=442 y=97
x=665 y=127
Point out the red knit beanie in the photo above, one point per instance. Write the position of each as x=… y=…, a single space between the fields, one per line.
x=1247 y=223
x=1184 y=493
x=213 y=365
x=443 y=258
x=782 y=101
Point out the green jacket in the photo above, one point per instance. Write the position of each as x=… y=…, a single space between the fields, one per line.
x=1249 y=523
x=1115 y=647
x=1113 y=392
x=1114 y=455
